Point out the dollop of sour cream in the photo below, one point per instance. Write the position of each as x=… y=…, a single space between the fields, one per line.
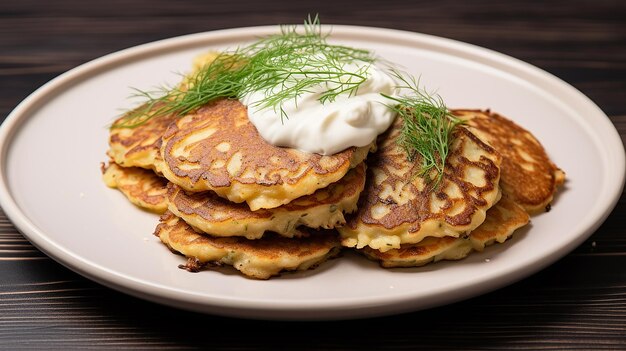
x=331 y=127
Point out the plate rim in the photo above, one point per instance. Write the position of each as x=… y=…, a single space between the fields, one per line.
x=363 y=307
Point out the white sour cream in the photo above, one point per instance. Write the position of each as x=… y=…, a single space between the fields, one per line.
x=331 y=127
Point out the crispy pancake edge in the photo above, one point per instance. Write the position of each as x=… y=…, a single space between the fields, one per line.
x=257 y=259
x=325 y=208
x=139 y=146
x=141 y=187
x=503 y=219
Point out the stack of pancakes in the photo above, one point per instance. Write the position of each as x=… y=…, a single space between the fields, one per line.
x=496 y=176
x=227 y=197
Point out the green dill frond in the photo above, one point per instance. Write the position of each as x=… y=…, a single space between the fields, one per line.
x=427 y=126
x=282 y=66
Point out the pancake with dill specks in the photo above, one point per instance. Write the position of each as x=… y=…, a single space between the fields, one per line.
x=398 y=207
x=502 y=220
x=141 y=186
x=209 y=213
x=217 y=148
x=138 y=146
x=529 y=176
x=258 y=259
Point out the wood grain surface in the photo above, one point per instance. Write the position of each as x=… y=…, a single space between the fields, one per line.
x=579 y=303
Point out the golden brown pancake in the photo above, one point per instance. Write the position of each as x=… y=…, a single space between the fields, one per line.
x=258 y=259
x=502 y=220
x=397 y=207
x=217 y=148
x=528 y=176
x=141 y=186
x=209 y=213
x=139 y=146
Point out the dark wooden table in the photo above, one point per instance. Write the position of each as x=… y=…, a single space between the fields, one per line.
x=577 y=303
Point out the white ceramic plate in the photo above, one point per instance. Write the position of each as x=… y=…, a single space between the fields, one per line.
x=50 y=186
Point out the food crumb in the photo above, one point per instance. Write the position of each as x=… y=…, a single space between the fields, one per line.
x=593 y=244
x=487 y=260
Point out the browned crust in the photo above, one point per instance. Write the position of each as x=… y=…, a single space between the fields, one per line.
x=271 y=246
x=230 y=120
x=502 y=220
x=533 y=189
x=179 y=237
x=418 y=210
x=214 y=208
x=141 y=186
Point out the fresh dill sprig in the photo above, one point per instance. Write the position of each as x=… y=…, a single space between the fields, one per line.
x=427 y=126
x=282 y=66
